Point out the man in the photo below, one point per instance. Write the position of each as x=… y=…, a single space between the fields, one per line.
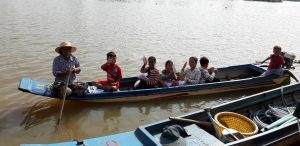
x=65 y=67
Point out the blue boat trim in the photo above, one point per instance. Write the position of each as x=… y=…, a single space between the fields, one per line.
x=122 y=139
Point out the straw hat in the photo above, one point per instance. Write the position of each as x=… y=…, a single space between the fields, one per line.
x=65 y=44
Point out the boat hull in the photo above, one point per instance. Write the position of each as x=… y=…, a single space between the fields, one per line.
x=127 y=94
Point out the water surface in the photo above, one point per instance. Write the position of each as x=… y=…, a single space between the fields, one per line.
x=229 y=32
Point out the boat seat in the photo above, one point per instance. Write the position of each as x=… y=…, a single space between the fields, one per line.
x=197 y=137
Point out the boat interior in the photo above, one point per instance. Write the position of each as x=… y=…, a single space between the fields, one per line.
x=281 y=101
x=224 y=74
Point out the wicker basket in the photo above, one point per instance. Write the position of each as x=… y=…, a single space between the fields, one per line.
x=237 y=122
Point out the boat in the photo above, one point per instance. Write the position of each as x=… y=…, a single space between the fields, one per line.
x=233 y=78
x=149 y=135
x=273 y=1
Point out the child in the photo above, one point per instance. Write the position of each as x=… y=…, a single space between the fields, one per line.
x=168 y=77
x=191 y=75
x=152 y=79
x=276 y=63
x=207 y=75
x=114 y=74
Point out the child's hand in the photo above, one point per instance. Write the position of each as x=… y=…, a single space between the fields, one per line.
x=145 y=60
x=109 y=60
x=216 y=70
x=184 y=65
x=175 y=83
x=171 y=75
x=114 y=83
x=188 y=81
x=212 y=69
x=258 y=62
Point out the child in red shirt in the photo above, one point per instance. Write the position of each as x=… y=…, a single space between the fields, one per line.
x=276 y=63
x=114 y=74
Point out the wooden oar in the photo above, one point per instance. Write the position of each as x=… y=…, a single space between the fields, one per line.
x=297 y=115
x=202 y=123
x=207 y=110
x=64 y=99
x=225 y=136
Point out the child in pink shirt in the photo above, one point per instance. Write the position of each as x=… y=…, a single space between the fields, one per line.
x=276 y=63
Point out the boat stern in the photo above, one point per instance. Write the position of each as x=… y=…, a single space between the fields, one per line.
x=35 y=87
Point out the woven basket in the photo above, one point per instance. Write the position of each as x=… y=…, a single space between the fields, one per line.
x=237 y=122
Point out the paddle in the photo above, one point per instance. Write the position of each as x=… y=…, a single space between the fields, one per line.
x=202 y=123
x=291 y=75
x=297 y=115
x=230 y=135
x=281 y=93
x=64 y=99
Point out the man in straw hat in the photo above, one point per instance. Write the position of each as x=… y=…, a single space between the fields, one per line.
x=65 y=66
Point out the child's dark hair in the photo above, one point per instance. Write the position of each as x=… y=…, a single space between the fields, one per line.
x=194 y=58
x=110 y=54
x=277 y=47
x=168 y=62
x=204 y=61
x=152 y=58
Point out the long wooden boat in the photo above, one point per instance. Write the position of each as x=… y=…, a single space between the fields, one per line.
x=149 y=135
x=232 y=78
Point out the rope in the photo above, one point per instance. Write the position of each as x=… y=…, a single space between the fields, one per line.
x=261 y=119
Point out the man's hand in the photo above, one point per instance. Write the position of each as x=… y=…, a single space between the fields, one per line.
x=75 y=70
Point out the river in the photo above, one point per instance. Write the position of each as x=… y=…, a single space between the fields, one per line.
x=228 y=32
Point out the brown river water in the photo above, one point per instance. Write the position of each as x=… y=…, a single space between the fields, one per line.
x=229 y=32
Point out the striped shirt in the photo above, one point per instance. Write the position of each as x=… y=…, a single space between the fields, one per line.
x=153 y=76
x=205 y=74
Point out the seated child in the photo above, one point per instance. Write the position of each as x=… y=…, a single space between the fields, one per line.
x=152 y=78
x=192 y=74
x=207 y=75
x=276 y=63
x=168 y=76
x=114 y=74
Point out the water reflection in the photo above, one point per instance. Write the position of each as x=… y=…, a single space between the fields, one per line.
x=40 y=112
x=144 y=110
x=111 y=117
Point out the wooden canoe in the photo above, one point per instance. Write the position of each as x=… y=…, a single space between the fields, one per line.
x=233 y=78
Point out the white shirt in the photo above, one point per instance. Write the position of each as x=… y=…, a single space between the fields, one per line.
x=192 y=75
